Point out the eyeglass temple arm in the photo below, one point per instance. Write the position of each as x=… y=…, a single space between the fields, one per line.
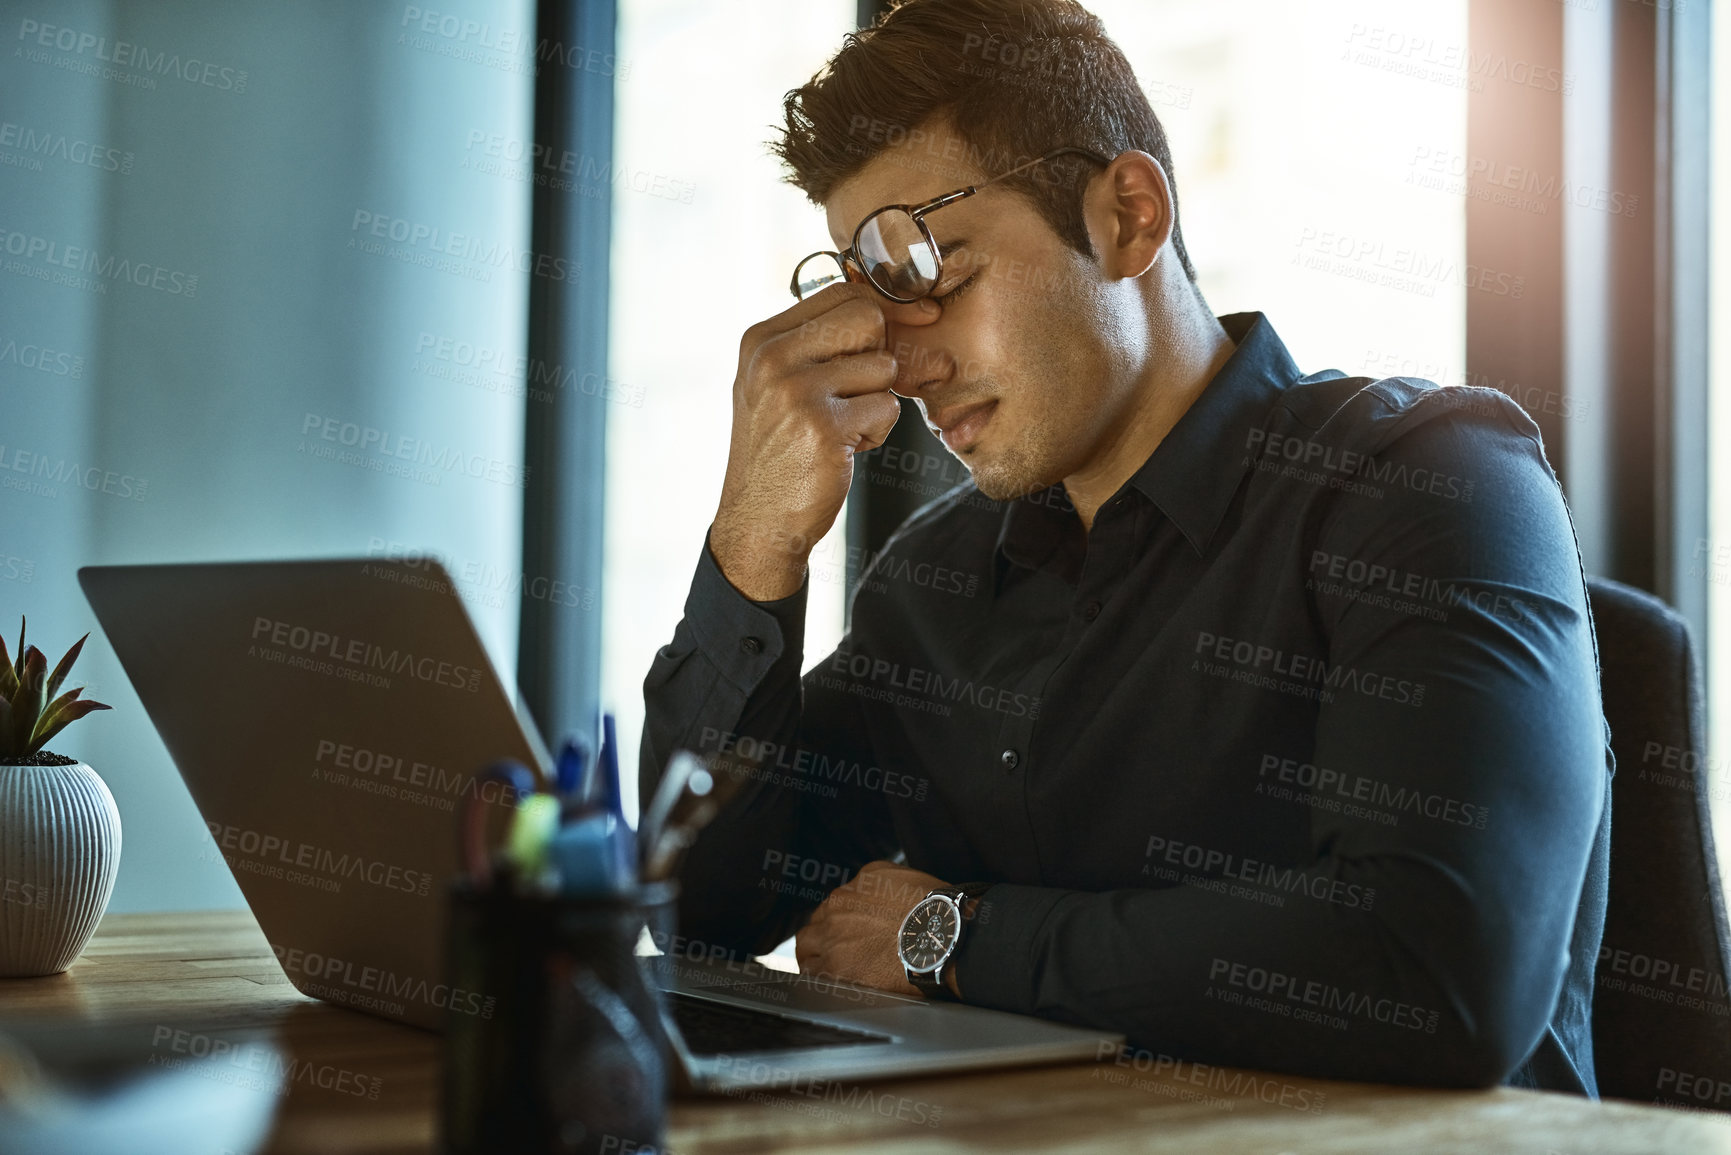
x=950 y=198
x=1057 y=152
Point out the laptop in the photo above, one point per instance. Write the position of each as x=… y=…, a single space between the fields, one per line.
x=329 y=717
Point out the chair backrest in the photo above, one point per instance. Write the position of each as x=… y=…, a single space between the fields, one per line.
x=1661 y=1007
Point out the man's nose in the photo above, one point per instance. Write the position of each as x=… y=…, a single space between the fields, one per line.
x=914 y=363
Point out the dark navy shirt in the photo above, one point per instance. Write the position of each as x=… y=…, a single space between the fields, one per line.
x=1295 y=761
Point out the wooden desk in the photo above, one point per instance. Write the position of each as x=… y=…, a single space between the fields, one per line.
x=212 y=972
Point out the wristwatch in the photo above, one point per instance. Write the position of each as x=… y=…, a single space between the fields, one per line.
x=930 y=934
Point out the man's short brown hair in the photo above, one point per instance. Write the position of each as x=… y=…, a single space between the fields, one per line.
x=1015 y=79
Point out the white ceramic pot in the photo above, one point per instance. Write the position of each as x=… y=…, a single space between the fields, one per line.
x=59 y=854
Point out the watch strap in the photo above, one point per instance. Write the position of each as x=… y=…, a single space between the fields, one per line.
x=930 y=984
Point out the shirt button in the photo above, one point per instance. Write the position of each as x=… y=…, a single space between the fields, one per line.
x=1092 y=611
x=1009 y=758
x=751 y=645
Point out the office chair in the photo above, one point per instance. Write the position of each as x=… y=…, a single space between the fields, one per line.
x=1661 y=1007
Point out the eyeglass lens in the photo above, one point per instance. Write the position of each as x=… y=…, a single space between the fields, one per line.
x=892 y=251
x=817 y=273
x=896 y=255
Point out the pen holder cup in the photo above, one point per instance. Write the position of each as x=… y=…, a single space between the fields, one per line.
x=554 y=1042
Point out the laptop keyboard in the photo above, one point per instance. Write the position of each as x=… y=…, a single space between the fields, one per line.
x=712 y=1028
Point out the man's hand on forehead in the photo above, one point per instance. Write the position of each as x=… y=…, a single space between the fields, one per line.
x=812 y=392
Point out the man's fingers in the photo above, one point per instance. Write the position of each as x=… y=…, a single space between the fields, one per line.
x=853 y=326
x=870 y=416
x=837 y=296
x=873 y=371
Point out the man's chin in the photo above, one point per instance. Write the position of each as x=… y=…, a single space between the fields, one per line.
x=997 y=483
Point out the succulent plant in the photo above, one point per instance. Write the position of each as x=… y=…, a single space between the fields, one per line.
x=30 y=714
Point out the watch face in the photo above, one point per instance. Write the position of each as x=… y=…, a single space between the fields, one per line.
x=928 y=934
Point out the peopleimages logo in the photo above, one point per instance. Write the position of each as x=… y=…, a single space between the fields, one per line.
x=279 y=851
x=521 y=160
x=1209 y=863
x=1422 y=57
x=47 y=472
x=1328 y=785
x=1371 y=583
x=125 y=54
x=757 y=753
x=927 y=686
x=197 y=1051
x=76 y=259
x=1325 y=997
x=375 y=987
x=362 y=655
x=37 y=144
x=23 y=893
x=531 y=371
x=430 y=241
x=1687 y=980
x=1324 y=463
x=359 y=443
x=507 y=49
x=42 y=359
x=1245 y=661
x=1175 y=1078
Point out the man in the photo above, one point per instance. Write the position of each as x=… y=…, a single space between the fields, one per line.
x=1255 y=714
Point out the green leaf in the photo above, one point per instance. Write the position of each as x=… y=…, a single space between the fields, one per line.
x=8 y=749
x=67 y=716
x=27 y=705
x=52 y=717
x=8 y=676
x=64 y=668
x=18 y=668
x=59 y=704
x=71 y=695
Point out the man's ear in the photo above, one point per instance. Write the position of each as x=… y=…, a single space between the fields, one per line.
x=1130 y=215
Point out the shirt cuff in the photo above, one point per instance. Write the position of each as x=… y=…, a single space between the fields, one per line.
x=743 y=639
x=995 y=960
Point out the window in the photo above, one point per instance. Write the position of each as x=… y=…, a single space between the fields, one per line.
x=1715 y=549
x=1320 y=169
x=703 y=254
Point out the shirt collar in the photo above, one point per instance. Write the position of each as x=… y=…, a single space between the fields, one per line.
x=1196 y=469
x=1194 y=472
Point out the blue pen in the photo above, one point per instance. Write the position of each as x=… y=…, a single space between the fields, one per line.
x=604 y=797
x=569 y=775
x=603 y=792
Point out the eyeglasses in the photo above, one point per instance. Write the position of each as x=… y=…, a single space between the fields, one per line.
x=893 y=250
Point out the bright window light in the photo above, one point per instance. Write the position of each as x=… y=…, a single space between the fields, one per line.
x=699 y=258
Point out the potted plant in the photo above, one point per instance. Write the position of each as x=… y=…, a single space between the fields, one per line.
x=59 y=828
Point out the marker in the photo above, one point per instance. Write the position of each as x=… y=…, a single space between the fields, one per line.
x=587 y=852
x=532 y=829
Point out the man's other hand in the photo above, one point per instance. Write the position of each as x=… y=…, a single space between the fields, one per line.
x=853 y=935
